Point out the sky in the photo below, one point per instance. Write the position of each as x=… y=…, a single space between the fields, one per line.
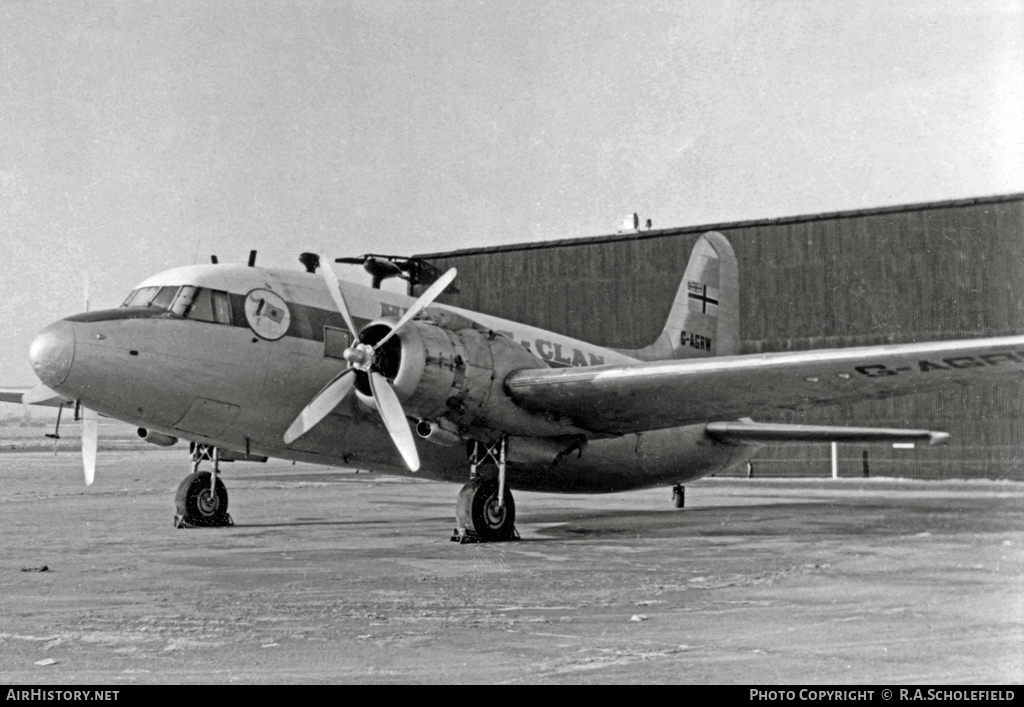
x=140 y=136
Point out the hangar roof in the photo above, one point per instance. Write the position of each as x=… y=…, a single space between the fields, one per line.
x=660 y=233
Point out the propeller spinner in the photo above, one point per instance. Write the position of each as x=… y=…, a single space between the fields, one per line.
x=362 y=358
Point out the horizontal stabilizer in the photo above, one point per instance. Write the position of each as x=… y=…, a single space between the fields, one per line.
x=771 y=432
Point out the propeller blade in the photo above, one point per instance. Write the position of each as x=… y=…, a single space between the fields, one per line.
x=334 y=287
x=90 y=442
x=425 y=299
x=324 y=401
x=394 y=419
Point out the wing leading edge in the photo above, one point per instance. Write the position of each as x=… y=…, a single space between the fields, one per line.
x=624 y=398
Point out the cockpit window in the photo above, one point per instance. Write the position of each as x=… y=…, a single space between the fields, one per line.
x=160 y=297
x=164 y=297
x=221 y=307
x=187 y=301
x=141 y=297
x=204 y=305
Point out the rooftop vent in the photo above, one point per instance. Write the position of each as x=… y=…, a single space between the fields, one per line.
x=630 y=223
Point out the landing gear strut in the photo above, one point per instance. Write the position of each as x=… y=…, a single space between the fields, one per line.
x=678 y=496
x=202 y=498
x=486 y=511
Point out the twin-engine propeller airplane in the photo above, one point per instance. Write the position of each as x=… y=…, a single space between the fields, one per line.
x=251 y=362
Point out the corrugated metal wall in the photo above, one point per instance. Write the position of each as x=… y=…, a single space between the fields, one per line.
x=916 y=273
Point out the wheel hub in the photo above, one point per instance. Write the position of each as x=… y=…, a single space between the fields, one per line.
x=207 y=503
x=494 y=513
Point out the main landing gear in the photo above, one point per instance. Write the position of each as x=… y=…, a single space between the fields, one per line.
x=202 y=498
x=485 y=511
x=678 y=496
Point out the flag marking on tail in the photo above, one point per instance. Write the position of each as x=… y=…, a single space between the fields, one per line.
x=699 y=292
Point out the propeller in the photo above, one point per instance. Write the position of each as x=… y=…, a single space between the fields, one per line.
x=362 y=358
x=90 y=420
x=90 y=443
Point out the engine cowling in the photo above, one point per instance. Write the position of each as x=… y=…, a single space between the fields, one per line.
x=457 y=374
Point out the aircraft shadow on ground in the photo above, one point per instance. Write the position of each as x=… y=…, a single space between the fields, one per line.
x=894 y=518
x=298 y=522
x=782 y=519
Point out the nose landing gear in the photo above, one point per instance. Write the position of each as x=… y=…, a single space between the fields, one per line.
x=202 y=498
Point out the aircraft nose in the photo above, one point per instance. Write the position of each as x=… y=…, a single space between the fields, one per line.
x=52 y=352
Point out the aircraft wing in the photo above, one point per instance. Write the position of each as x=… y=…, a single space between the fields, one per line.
x=11 y=396
x=623 y=398
x=40 y=395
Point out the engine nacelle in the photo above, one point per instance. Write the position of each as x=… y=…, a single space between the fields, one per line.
x=459 y=375
x=157 y=438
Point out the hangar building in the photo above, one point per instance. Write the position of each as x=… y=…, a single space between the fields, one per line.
x=920 y=272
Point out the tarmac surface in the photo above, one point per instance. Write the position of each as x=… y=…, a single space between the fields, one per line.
x=333 y=576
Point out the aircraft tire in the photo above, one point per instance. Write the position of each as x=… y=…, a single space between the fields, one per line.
x=477 y=510
x=195 y=505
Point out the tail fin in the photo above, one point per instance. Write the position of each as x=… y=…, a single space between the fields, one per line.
x=705 y=317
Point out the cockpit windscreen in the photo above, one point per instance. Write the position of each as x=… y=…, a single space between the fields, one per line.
x=159 y=297
x=186 y=301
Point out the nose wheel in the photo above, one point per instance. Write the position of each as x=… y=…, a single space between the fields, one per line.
x=202 y=498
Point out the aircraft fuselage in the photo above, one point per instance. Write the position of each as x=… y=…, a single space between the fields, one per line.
x=238 y=376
